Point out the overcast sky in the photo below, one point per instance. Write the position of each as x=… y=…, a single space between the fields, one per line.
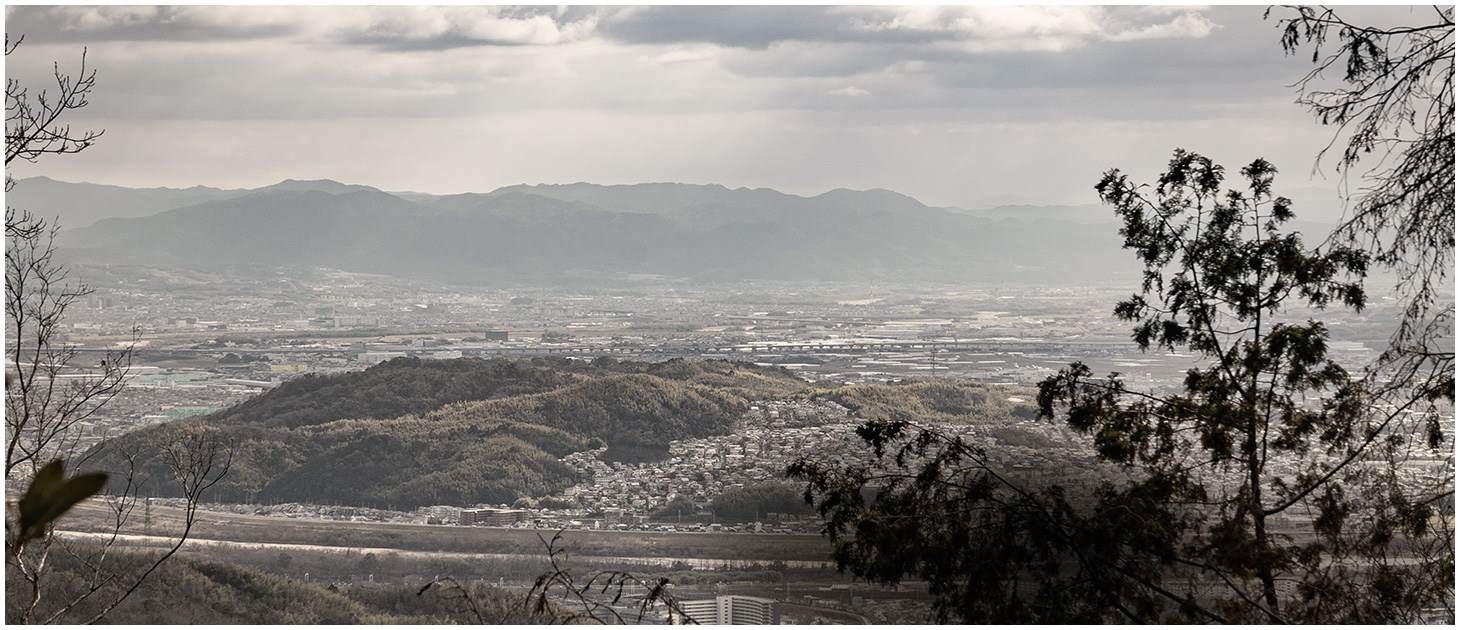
x=967 y=106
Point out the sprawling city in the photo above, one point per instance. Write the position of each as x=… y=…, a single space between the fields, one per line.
x=742 y=315
x=197 y=356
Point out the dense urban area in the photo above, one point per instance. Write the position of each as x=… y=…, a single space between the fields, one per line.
x=196 y=354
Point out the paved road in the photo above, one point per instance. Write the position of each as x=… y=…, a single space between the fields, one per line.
x=198 y=543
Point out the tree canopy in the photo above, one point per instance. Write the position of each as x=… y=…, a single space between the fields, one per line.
x=409 y=432
x=1388 y=91
x=1272 y=488
x=753 y=502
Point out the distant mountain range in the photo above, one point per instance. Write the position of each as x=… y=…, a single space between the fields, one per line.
x=81 y=205
x=584 y=232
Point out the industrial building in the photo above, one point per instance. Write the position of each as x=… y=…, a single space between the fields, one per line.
x=492 y=517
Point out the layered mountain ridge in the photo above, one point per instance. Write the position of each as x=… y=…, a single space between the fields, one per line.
x=548 y=233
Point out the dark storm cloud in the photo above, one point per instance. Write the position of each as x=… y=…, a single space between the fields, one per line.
x=958 y=47
x=1238 y=65
x=1080 y=60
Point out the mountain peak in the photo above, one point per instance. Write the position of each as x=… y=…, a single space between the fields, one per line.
x=321 y=185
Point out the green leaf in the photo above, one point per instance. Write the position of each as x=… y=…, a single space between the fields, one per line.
x=51 y=495
x=32 y=503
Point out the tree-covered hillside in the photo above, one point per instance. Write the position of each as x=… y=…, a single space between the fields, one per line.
x=409 y=433
x=399 y=387
x=933 y=400
x=192 y=591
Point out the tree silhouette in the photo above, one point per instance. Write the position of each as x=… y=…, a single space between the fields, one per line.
x=1268 y=429
x=1393 y=113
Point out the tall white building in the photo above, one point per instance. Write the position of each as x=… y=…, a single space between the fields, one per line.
x=737 y=610
x=703 y=611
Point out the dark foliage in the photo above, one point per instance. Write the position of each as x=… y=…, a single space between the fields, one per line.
x=191 y=591
x=751 y=503
x=49 y=496
x=678 y=507
x=935 y=400
x=1268 y=428
x=1389 y=93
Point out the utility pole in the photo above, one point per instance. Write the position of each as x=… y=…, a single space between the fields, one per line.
x=786 y=574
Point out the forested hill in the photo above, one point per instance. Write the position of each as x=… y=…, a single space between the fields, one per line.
x=412 y=432
x=186 y=590
x=408 y=432
x=414 y=386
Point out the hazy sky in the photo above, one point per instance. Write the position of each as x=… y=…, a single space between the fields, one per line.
x=964 y=105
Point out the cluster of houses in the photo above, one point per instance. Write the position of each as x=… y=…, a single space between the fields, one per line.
x=770 y=437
